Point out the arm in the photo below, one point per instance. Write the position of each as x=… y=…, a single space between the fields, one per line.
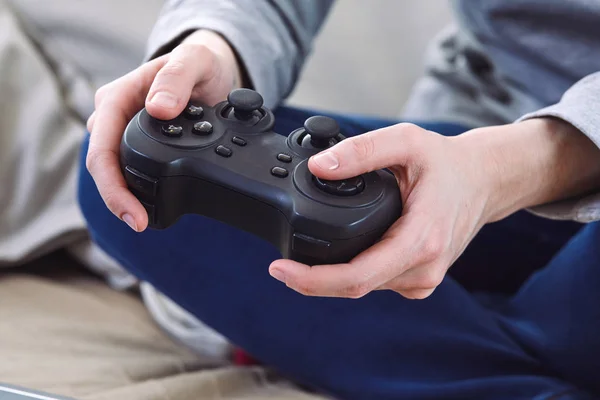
x=579 y=108
x=547 y=161
x=271 y=38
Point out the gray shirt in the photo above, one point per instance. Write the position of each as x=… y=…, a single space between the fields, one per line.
x=503 y=61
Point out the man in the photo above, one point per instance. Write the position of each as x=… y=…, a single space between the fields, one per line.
x=351 y=330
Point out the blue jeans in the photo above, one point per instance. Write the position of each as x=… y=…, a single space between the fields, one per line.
x=518 y=316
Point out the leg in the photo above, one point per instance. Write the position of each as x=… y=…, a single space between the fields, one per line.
x=381 y=346
x=556 y=314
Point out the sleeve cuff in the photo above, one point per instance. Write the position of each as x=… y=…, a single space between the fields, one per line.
x=578 y=107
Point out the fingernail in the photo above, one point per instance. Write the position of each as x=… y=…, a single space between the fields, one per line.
x=278 y=274
x=130 y=221
x=326 y=160
x=164 y=100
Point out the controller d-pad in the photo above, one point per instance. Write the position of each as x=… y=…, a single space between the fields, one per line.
x=171 y=130
x=345 y=187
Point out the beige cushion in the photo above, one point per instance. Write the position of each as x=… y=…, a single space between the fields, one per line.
x=68 y=333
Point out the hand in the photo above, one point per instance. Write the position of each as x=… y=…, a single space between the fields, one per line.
x=451 y=187
x=202 y=68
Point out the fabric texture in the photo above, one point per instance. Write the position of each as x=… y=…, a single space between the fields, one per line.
x=272 y=37
x=455 y=344
x=501 y=61
x=53 y=57
x=66 y=332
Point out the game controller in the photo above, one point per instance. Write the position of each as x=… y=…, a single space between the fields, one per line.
x=226 y=163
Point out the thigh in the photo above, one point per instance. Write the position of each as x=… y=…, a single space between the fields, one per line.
x=556 y=314
x=381 y=346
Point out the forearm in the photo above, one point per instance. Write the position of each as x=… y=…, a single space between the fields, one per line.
x=534 y=162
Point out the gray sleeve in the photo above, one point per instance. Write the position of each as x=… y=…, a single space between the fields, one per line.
x=271 y=37
x=580 y=106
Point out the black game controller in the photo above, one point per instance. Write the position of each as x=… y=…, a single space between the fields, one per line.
x=226 y=163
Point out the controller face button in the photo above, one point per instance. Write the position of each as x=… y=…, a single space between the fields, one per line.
x=345 y=187
x=239 y=141
x=139 y=181
x=194 y=112
x=223 y=151
x=279 y=172
x=311 y=246
x=203 y=128
x=172 y=130
x=286 y=158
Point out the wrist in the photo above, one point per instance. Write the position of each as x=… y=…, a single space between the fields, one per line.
x=531 y=163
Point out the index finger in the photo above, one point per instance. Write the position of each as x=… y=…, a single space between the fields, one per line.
x=368 y=271
x=121 y=102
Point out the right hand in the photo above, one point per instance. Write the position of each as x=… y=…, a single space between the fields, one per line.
x=202 y=68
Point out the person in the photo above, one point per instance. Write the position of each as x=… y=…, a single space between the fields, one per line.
x=63 y=330
x=477 y=291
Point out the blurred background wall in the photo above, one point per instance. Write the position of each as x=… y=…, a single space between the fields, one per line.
x=369 y=54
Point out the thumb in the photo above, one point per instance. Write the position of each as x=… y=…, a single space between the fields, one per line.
x=188 y=65
x=361 y=154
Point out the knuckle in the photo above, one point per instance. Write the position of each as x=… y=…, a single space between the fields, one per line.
x=193 y=50
x=100 y=94
x=420 y=294
x=303 y=288
x=431 y=279
x=91 y=160
x=357 y=290
x=363 y=147
x=303 y=284
x=174 y=68
x=406 y=128
x=432 y=249
x=111 y=201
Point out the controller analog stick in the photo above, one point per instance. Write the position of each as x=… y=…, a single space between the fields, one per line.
x=245 y=104
x=319 y=132
x=345 y=187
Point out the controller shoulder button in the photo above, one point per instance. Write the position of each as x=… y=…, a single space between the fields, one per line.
x=140 y=181
x=311 y=246
x=151 y=211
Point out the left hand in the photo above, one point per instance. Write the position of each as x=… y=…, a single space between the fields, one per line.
x=450 y=188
